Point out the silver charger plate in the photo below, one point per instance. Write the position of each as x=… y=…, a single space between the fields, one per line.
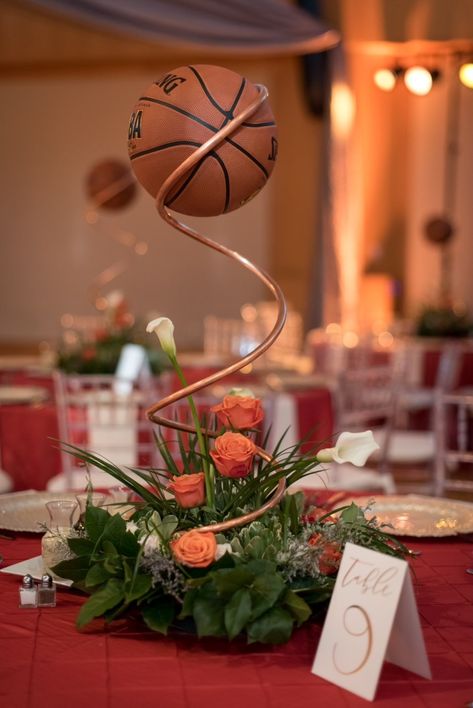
x=421 y=516
x=26 y=511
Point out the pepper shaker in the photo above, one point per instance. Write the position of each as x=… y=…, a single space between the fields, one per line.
x=28 y=592
x=46 y=592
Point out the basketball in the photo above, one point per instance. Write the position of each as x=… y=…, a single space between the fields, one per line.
x=113 y=176
x=181 y=111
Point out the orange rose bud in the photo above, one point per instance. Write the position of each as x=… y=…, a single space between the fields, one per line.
x=239 y=412
x=189 y=489
x=195 y=549
x=233 y=455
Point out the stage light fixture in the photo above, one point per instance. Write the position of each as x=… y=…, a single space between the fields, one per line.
x=465 y=74
x=386 y=79
x=419 y=80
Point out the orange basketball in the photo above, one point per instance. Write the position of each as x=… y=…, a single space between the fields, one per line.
x=177 y=114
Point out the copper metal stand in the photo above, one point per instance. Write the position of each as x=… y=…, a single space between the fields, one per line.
x=274 y=288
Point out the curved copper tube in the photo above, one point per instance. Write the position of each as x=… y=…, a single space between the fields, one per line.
x=271 y=284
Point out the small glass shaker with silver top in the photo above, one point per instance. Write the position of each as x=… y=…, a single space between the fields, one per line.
x=46 y=592
x=28 y=592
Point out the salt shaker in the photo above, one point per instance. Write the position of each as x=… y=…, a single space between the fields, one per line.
x=28 y=592
x=46 y=592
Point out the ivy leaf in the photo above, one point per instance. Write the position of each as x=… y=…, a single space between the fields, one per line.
x=298 y=608
x=115 y=531
x=95 y=522
x=237 y=612
x=188 y=604
x=159 y=616
x=265 y=591
x=81 y=546
x=104 y=599
x=208 y=612
x=96 y=576
x=273 y=627
x=138 y=587
x=74 y=569
x=229 y=580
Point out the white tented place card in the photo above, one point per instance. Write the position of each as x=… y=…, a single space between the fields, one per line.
x=372 y=617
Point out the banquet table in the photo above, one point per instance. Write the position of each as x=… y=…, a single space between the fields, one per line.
x=46 y=663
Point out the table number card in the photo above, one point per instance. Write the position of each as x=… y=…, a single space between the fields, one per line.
x=372 y=617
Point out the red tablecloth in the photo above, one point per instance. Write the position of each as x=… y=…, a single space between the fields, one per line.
x=46 y=663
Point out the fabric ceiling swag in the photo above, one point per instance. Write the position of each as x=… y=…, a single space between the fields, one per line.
x=244 y=27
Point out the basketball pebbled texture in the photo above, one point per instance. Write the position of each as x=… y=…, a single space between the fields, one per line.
x=177 y=114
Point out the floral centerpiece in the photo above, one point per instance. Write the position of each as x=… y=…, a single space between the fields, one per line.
x=208 y=546
x=98 y=351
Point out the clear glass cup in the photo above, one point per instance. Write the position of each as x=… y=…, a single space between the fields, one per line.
x=54 y=546
x=86 y=498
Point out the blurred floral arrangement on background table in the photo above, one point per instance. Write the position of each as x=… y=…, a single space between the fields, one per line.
x=96 y=349
x=444 y=321
x=161 y=560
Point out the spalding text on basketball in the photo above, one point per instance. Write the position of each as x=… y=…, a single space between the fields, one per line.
x=169 y=82
x=134 y=129
x=274 y=150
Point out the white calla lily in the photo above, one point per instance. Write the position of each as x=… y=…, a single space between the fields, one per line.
x=163 y=327
x=350 y=447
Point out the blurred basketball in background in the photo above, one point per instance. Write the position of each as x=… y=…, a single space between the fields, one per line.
x=438 y=230
x=177 y=114
x=110 y=184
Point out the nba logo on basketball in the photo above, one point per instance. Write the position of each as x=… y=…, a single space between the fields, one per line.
x=134 y=129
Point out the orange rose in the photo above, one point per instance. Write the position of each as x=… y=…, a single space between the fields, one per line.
x=189 y=489
x=195 y=549
x=329 y=559
x=233 y=455
x=239 y=412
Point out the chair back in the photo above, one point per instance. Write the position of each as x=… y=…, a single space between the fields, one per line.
x=367 y=398
x=453 y=426
x=96 y=416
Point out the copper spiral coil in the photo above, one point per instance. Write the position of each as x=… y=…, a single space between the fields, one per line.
x=276 y=291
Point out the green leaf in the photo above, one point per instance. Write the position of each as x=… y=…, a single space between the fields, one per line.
x=95 y=522
x=168 y=526
x=188 y=604
x=96 y=576
x=352 y=514
x=81 y=546
x=109 y=549
x=274 y=627
x=209 y=618
x=138 y=587
x=229 y=580
x=125 y=542
x=298 y=608
x=105 y=599
x=159 y=616
x=265 y=591
x=74 y=569
x=237 y=612
x=261 y=567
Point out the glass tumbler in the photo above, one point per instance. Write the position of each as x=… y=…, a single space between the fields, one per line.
x=54 y=546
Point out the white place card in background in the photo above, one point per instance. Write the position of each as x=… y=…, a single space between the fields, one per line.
x=372 y=617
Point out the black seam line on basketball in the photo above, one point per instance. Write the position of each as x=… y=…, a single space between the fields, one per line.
x=164 y=146
x=229 y=115
x=206 y=125
x=258 y=125
x=206 y=91
x=199 y=164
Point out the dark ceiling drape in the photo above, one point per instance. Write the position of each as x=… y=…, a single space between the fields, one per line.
x=259 y=27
